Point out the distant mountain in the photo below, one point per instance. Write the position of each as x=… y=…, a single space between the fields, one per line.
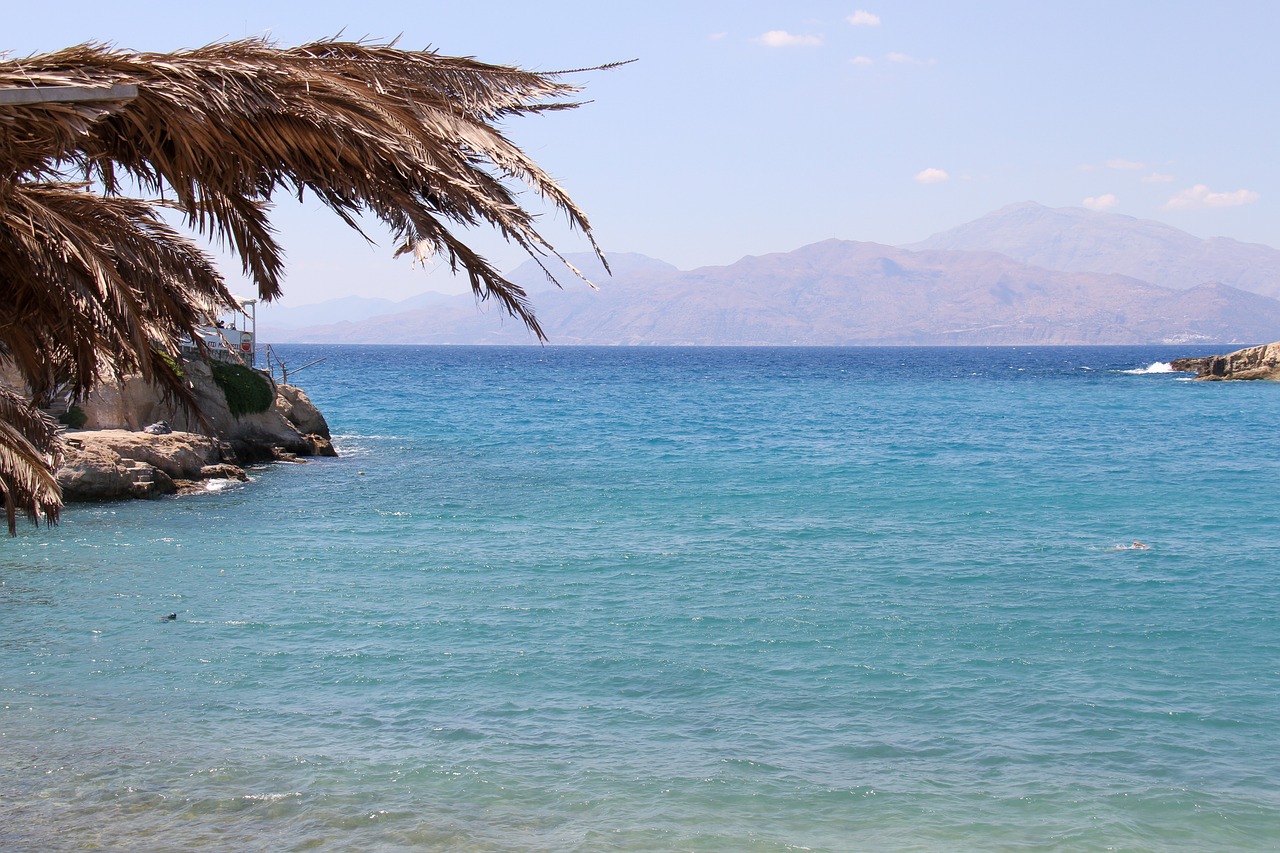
x=275 y=319
x=278 y=323
x=533 y=279
x=844 y=293
x=1073 y=239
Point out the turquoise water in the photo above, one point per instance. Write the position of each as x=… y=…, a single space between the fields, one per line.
x=675 y=599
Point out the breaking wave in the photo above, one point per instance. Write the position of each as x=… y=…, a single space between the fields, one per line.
x=1153 y=367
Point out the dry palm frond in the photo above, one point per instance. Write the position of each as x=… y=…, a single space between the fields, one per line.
x=97 y=284
x=407 y=136
x=28 y=456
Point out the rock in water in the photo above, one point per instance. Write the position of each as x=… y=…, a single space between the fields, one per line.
x=118 y=457
x=296 y=407
x=112 y=464
x=1260 y=362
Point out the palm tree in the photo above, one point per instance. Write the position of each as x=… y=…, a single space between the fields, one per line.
x=94 y=142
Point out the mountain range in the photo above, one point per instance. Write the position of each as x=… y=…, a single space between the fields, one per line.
x=1023 y=275
x=1073 y=239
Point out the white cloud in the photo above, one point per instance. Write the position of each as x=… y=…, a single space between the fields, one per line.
x=1156 y=178
x=932 y=176
x=861 y=18
x=862 y=60
x=900 y=57
x=1101 y=202
x=717 y=36
x=1200 y=196
x=782 y=38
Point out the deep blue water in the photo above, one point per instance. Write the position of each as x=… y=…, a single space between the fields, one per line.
x=675 y=599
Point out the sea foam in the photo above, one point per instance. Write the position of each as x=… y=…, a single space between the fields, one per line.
x=1154 y=367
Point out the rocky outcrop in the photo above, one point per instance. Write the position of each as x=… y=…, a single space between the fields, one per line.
x=115 y=464
x=137 y=443
x=296 y=407
x=292 y=425
x=1260 y=362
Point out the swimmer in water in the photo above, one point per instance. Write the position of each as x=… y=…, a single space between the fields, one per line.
x=1138 y=546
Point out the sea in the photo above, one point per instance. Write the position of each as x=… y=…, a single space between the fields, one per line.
x=675 y=599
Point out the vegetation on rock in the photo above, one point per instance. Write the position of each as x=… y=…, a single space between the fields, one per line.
x=73 y=417
x=247 y=391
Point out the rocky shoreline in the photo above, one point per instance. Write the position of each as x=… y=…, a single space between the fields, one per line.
x=136 y=444
x=1260 y=362
x=117 y=464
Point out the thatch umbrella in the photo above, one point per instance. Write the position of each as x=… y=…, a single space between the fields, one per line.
x=97 y=284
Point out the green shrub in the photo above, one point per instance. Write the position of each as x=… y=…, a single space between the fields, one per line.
x=73 y=417
x=247 y=391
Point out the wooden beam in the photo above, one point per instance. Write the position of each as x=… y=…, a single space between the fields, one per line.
x=68 y=94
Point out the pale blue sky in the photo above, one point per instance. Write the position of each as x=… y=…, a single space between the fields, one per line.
x=753 y=127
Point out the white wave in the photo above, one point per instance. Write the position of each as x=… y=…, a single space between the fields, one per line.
x=1154 y=367
x=220 y=485
x=271 y=798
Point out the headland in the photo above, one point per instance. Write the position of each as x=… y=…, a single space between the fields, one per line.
x=133 y=442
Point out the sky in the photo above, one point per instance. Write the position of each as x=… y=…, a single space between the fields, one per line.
x=751 y=127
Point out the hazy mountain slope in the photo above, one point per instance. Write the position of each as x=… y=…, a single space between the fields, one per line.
x=842 y=293
x=279 y=323
x=1078 y=240
x=623 y=265
x=275 y=321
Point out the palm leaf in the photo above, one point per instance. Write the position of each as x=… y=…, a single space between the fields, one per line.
x=407 y=136
x=98 y=285
x=29 y=453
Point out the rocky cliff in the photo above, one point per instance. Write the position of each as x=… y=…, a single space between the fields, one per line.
x=119 y=454
x=1260 y=362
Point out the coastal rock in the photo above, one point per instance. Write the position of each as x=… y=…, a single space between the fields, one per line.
x=1260 y=362
x=223 y=471
x=296 y=407
x=132 y=403
x=138 y=443
x=119 y=464
x=258 y=437
x=288 y=426
x=322 y=446
x=181 y=455
x=103 y=465
x=101 y=475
